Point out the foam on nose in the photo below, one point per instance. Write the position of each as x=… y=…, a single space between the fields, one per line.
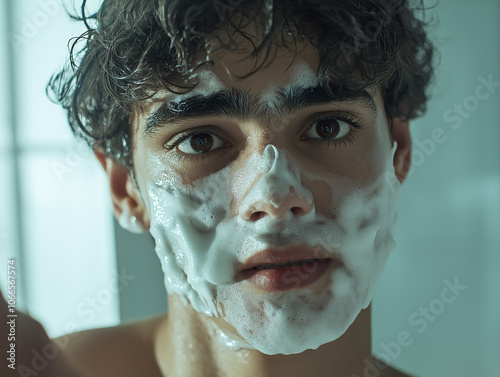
x=279 y=179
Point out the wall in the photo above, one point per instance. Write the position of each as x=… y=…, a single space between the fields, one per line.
x=449 y=217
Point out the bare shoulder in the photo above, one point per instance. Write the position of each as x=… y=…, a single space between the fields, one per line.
x=126 y=350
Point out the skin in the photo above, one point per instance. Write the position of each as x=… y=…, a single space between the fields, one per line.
x=184 y=342
x=29 y=337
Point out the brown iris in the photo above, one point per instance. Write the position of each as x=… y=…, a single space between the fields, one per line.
x=328 y=128
x=201 y=143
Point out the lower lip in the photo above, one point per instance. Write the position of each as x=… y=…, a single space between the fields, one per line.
x=287 y=278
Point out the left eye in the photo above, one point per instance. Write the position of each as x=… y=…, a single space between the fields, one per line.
x=328 y=129
x=198 y=143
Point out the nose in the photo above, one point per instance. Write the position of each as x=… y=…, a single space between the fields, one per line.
x=278 y=192
x=294 y=204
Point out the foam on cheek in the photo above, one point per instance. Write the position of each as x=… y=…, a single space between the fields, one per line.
x=200 y=242
x=185 y=229
x=195 y=233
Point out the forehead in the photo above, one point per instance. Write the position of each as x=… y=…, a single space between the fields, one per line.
x=230 y=70
x=287 y=82
x=285 y=67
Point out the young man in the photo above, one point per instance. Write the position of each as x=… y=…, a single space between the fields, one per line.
x=263 y=145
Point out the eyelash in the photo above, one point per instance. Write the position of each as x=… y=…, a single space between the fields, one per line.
x=334 y=143
x=344 y=117
x=186 y=135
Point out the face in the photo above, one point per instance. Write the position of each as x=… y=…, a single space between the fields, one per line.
x=270 y=201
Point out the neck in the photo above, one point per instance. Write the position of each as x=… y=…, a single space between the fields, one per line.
x=187 y=344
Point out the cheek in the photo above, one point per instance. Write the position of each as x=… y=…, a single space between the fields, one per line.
x=322 y=194
x=333 y=192
x=361 y=163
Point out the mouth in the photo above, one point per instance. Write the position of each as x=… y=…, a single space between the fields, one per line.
x=296 y=267
x=268 y=266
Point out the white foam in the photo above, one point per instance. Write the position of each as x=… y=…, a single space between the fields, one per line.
x=304 y=76
x=229 y=342
x=201 y=237
x=202 y=233
x=208 y=83
x=276 y=183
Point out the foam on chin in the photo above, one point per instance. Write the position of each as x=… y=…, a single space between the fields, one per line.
x=200 y=242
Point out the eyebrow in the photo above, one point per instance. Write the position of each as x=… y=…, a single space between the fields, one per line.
x=244 y=105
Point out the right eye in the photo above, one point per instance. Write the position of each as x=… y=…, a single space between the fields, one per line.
x=196 y=142
x=201 y=142
x=328 y=129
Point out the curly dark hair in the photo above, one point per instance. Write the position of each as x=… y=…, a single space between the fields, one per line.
x=133 y=49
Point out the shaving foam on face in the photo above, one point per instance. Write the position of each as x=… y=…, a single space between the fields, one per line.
x=203 y=233
x=229 y=342
x=207 y=84
x=276 y=165
x=201 y=238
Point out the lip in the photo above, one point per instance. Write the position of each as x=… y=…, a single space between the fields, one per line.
x=295 y=267
x=285 y=255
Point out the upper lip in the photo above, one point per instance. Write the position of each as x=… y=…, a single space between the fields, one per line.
x=284 y=255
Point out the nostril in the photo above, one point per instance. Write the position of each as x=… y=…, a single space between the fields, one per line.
x=257 y=215
x=298 y=211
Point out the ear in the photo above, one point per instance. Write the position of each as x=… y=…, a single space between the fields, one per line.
x=128 y=207
x=402 y=156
